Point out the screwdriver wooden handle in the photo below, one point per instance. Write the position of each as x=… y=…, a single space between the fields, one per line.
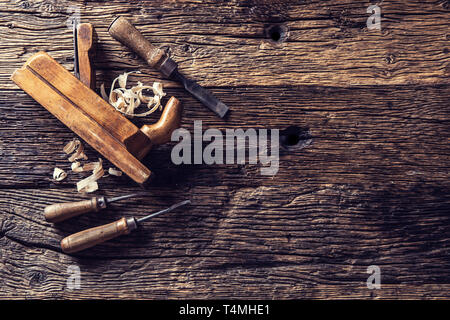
x=91 y=237
x=85 y=44
x=62 y=211
x=123 y=31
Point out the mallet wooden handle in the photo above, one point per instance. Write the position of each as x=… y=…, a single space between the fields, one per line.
x=61 y=211
x=85 y=44
x=93 y=236
x=123 y=31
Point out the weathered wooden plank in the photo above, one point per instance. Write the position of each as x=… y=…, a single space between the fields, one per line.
x=325 y=43
x=397 y=133
x=304 y=244
x=273 y=239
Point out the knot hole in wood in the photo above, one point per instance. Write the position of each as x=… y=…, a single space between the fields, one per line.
x=276 y=33
x=295 y=138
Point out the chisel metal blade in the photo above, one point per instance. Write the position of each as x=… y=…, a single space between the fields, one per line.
x=171 y=208
x=203 y=95
x=109 y=200
x=76 y=70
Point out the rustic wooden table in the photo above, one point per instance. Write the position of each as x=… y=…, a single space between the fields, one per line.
x=368 y=184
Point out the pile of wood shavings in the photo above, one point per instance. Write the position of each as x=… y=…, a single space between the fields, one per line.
x=88 y=184
x=127 y=100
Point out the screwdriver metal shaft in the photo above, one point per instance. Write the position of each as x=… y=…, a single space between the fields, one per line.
x=62 y=211
x=93 y=236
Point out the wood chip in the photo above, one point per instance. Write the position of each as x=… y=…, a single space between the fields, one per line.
x=59 y=174
x=114 y=172
x=90 y=184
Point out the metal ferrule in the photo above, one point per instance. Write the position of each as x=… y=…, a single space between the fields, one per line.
x=167 y=67
x=101 y=202
x=131 y=224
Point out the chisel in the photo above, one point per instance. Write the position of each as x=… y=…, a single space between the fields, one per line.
x=62 y=211
x=93 y=236
x=83 y=45
x=123 y=31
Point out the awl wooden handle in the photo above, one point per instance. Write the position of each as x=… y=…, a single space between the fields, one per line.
x=85 y=44
x=62 y=211
x=123 y=31
x=91 y=237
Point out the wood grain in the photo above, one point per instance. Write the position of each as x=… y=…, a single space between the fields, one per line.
x=368 y=183
x=327 y=43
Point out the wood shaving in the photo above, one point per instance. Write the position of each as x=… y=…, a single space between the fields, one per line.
x=77 y=167
x=90 y=184
x=75 y=145
x=59 y=174
x=127 y=100
x=114 y=172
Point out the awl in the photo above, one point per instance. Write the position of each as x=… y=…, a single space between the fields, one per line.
x=93 y=236
x=123 y=31
x=62 y=211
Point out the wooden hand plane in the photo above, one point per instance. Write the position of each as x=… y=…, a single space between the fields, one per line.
x=92 y=118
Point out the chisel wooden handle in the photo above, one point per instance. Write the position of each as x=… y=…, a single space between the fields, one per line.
x=61 y=211
x=123 y=31
x=91 y=237
x=85 y=44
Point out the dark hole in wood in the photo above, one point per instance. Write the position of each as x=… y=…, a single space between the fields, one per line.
x=294 y=137
x=276 y=33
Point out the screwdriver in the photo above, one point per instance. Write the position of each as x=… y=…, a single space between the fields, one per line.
x=93 y=236
x=62 y=211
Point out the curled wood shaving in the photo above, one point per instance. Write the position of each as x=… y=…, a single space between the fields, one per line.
x=90 y=184
x=127 y=100
x=75 y=145
x=59 y=174
x=77 y=167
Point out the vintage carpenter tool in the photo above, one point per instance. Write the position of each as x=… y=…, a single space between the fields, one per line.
x=62 y=211
x=123 y=31
x=83 y=44
x=94 y=119
x=93 y=236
